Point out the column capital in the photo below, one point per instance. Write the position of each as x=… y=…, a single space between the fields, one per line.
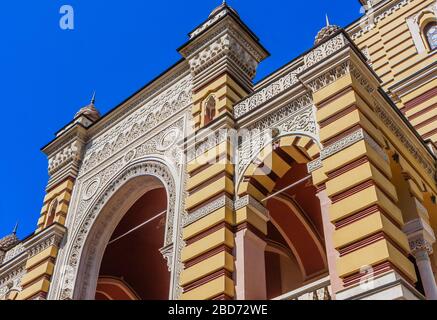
x=420 y=235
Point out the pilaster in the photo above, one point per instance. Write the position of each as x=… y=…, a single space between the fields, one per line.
x=355 y=171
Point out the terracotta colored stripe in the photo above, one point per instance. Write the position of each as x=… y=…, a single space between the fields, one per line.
x=209 y=278
x=420 y=99
x=210 y=181
x=368 y=241
x=348 y=167
x=422 y=112
x=208 y=232
x=337 y=116
x=340 y=136
x=426 y=122
x=248 y=226
x=285 y=156
x=259 y=186
x=352 y=191
x=335 y=97
x=429 y=134
x=209 y=254
x=206 y=202
x=364 y=213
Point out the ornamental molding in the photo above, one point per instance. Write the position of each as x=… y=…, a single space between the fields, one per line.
x=205 y=210
x=167 y=254
x=228 y=27
x=419 y=245
x=339 y=71
x=282 y=84
x=162 y=144
x=12 y=281
x=140 y=123
x=369 y=21
x=45 y=239
x=70 y=154
x=249 y=201
x=12 y=253
x=208 y=23
x=225 y=46
x=72 y=255
x=390 y=123
x=296 y=118
x=344 y=143
x=207 y=143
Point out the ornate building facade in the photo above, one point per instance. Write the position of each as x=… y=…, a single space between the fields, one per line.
x=317 y=183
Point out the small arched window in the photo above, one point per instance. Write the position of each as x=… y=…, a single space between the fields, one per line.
x=209 y=110
x=431 y=35
x=52 y=212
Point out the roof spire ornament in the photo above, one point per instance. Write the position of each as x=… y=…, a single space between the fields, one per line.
x=15 y=228
x=93 y=99
x=326 y=32
x=90 y=110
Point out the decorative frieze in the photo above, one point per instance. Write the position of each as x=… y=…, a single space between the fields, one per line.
x=227 y=46
x=296 y=118
x=344 y=143
x=399 y=133
x=141 y=122
x=372 y=17
x=282 y=84
x=14 y=252
x=198 y=214
x=11 y=281
x=249 y=201
x=72 y=153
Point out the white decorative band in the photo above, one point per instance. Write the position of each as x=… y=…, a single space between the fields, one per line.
x=344 y=143
x=221 y=202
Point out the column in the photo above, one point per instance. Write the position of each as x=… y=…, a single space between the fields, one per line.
x=421 y=239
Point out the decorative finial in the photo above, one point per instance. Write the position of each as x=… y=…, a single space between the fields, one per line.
x=224 y=2
x=15 y=228
x=327 y=21
x=93 y=99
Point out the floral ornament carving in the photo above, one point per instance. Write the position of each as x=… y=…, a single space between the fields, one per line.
x=297 y=117
x=141 y=122
x=151 y=168
x=282 y=84
x=228 y=46
x=324 y=50
x=12 y=281
x=72 y=153
x=159 y=144
x=398 y=132
x=14 y=252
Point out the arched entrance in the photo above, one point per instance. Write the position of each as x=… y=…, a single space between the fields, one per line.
x=132 y=266
x=278 y=180
x=135 y=198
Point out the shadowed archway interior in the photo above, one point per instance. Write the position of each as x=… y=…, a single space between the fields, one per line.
x=133 y=267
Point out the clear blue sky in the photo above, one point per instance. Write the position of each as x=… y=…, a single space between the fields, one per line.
x=47 y=74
